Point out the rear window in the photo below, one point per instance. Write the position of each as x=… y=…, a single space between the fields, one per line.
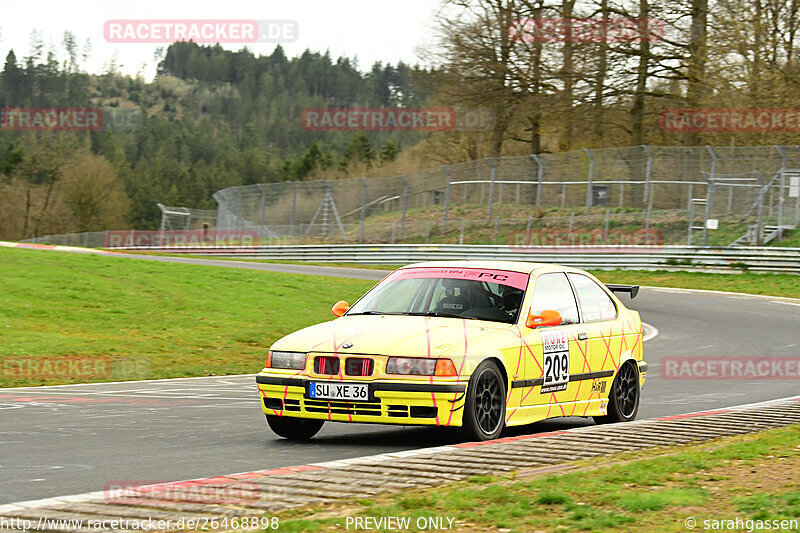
x=596 y=304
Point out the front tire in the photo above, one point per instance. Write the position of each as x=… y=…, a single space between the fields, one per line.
x=623 y=399
x=485 y=406
x=294 y=428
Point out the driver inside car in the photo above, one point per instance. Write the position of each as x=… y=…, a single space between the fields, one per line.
x=453 y=303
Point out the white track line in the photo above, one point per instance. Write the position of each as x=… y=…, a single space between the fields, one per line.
x=365 y=460
x=774 y=299
x=128 y=382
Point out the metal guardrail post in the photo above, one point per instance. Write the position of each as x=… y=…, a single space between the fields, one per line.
x=491 y=185
x=589 y=180
x=446 y=196
x=539 y=177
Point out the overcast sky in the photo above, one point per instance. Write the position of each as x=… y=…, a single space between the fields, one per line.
x=377 y=30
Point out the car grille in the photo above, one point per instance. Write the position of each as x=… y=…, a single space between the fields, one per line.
x=326 y=365
x=357 y=366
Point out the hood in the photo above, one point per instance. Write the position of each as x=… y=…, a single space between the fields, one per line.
x=391 y=335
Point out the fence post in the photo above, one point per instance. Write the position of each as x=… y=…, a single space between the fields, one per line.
x=605 y=230
x=648 y=167
x=709 y=209
x=589 y=180
x=263 y=208
x=571 y=222
x=781 y=197
x=760 y=216
x=427 y=231
x=710 y=193
x=491 y=185
x=405 y=204
x=496 y=224
x=294 y=204
x=461 y=237
x=539 y=176
x=446 y=197
x=363 y=210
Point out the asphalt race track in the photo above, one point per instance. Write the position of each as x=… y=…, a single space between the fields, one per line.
x=75 y=439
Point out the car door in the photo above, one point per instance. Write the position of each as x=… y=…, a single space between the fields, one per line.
x=598 y=316
x=554 y=352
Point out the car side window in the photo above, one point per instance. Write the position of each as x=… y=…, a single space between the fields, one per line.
x=596 y=304
x=553 y=291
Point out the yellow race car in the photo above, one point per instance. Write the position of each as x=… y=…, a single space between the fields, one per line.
x=477 y=344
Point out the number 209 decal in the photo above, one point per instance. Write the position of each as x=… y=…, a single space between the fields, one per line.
x=556 y=361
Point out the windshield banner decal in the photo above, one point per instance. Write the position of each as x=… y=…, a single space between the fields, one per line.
x=517 y=280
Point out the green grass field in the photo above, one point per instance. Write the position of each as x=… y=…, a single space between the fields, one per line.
x=148 y=320
x=129 y=319
x=753 y=477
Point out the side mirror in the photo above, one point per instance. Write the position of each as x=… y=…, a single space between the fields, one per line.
x=340 y=308
x=548 y=317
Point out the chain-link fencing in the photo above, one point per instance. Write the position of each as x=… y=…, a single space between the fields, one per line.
x=702 y=195
x=751 y=190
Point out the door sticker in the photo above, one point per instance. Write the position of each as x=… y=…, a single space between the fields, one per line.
x=555 y=347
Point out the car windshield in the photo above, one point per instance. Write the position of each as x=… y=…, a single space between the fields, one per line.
x=469 y=293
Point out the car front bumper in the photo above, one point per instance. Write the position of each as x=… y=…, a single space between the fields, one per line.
x=406 y=402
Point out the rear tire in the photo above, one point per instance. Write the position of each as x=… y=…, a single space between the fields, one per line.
x=485 y=406
x=294 y=428
x=623 y=399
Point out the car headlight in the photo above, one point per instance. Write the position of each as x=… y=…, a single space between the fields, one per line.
x=420 y=366
x=288 y=360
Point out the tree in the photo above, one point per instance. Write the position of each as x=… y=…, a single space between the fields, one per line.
x=477 y=54
x=12 y=89
x=359 y=150
x=93 y=194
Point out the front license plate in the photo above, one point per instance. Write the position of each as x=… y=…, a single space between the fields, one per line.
x=339 y=391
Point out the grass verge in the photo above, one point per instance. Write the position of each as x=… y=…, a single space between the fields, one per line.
x=116 y=319
x=124 y=319
x=752 y=477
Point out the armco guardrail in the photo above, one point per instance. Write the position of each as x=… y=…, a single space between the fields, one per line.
x=755 y=259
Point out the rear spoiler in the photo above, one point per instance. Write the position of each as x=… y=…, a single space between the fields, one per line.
x=633 y=290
